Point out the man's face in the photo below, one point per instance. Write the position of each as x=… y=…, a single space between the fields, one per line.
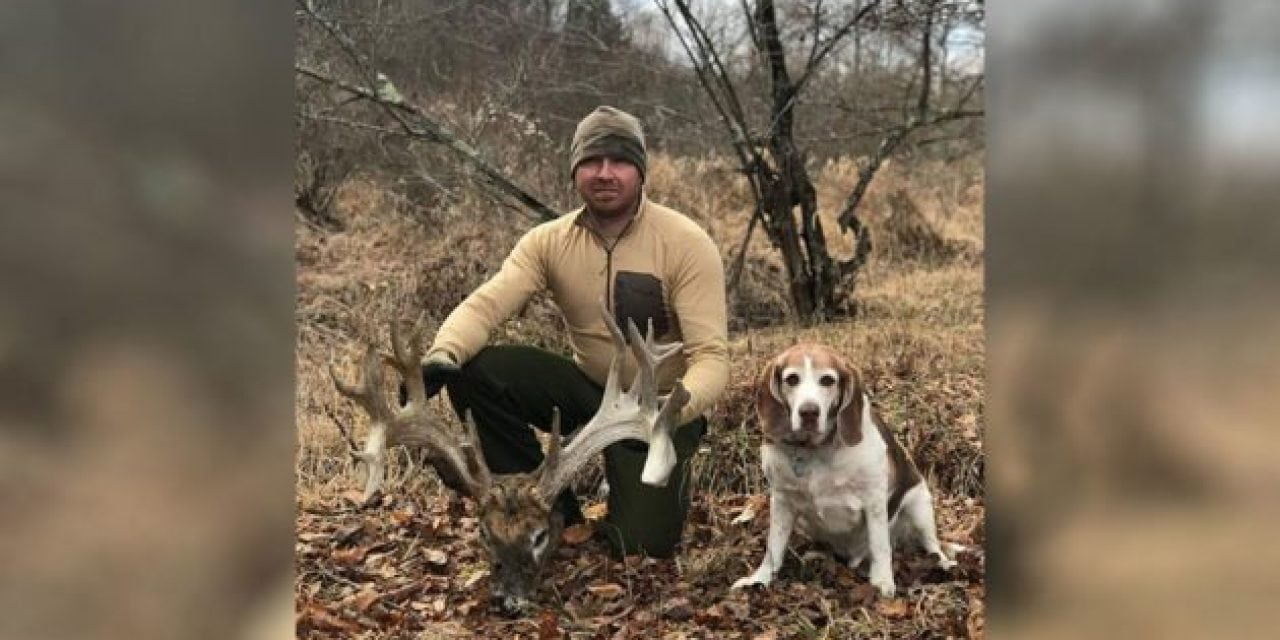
x=608 y=186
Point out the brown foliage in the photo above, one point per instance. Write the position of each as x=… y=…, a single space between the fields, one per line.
x=407 y=565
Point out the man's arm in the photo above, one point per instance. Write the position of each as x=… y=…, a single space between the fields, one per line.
x=699 y=300
x=466 y=331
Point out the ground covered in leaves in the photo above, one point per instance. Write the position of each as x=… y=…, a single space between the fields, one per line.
x=408 y=566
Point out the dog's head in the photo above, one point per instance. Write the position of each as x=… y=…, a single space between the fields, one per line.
x=807 y=396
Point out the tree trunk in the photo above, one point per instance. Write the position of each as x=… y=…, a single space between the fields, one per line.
x=811 y=273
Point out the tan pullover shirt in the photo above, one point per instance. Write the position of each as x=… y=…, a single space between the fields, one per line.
x=663 y=266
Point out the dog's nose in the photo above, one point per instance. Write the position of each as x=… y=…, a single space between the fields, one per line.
x=809 y=412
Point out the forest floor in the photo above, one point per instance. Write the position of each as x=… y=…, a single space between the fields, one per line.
x=409 y=563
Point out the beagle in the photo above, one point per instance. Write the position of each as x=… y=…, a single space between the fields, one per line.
x=835 y=471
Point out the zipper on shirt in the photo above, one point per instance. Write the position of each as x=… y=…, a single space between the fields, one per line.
x=608 y=277
x=608 y=261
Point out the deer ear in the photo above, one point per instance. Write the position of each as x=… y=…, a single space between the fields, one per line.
x=852 y=394
x=771 y=409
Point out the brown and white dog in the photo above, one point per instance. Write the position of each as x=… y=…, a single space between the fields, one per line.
x=836 y=473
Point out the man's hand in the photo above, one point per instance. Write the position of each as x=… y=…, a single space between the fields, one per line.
x=437 y=370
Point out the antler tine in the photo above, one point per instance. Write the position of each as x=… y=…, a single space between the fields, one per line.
x=552 y=458
x=407 y=360
x=477 y=469
x=353 y=391
x=368 y=394
x=365 y=392
x=649 y=356
x=456 y=460
x=635 y=415
x=644 y=388
x=613 y=382
x=676 y=401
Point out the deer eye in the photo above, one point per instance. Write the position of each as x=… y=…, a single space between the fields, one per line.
x=791 y=380
x=539 y=538
x=827 y=380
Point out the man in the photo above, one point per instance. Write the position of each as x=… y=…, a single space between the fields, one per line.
x=648 y=262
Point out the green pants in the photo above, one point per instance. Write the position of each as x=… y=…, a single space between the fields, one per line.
x=508 y=388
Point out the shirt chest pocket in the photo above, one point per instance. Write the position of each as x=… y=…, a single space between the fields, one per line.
x=638 y=297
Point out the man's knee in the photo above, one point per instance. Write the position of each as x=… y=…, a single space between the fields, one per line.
x=643 y=519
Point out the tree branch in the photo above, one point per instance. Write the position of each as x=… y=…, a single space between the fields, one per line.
x=830 y=44
x=716 y=83
x=735 y=272
x=426 y=128
x=926 y=62
x=384 y=93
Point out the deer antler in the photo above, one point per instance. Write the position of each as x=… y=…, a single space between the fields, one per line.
x=457 y=459
x=637 y=414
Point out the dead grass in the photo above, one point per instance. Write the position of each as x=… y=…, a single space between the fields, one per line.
x=917 y=334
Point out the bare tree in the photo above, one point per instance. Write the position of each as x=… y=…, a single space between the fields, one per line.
x=768 y=154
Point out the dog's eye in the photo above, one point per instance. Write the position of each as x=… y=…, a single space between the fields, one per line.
x=827 y=380
x=792 y=380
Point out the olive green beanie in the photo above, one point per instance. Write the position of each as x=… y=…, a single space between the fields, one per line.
x=608 y=132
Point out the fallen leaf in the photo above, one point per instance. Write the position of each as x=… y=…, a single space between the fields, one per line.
x=771 y=634
x=436 y=557
x=739 y=610
x=677 y=609
x=896 y=608
x=365 y=599
x=596 y=511
x=402 y=517
x=354 y=496
x=577 y=534
x=346 y=534
x=713 y=616
x=607 y=591
x=863 y=594
x=975 y=623
x=317 y=617
x=548 y=625
x=350 y=557
x=755 y=505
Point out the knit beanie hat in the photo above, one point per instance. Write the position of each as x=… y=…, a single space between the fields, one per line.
x=611 y=133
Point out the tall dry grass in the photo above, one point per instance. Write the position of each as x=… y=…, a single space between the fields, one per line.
x=917 y=333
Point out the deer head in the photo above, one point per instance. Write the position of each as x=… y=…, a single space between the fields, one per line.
x=518 y=526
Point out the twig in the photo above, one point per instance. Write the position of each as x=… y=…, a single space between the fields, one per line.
x=740 y=259
x=379 y=89
x=353 y=450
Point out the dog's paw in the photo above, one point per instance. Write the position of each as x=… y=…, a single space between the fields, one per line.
x=753 y=579
x=883 y=583
x=946 y=564
x=856 y=561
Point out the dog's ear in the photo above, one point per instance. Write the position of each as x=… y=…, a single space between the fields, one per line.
x=849 y=419
x=771 y=408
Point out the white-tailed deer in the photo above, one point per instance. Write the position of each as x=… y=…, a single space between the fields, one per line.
x=518 y=525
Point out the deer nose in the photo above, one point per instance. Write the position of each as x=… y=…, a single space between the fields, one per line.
x=809 y=412
x=507 y=605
